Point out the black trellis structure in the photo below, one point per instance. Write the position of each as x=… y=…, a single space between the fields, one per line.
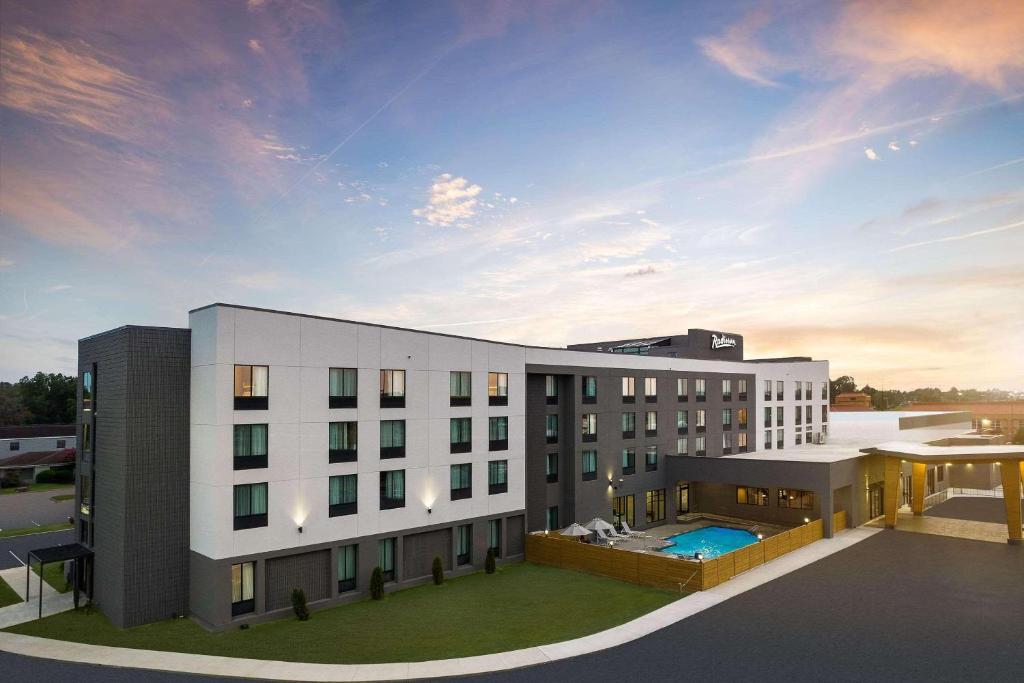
x=59 y=553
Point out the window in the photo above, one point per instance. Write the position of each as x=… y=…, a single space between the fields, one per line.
x=588 y=426
x=726 y=389
x=463 y=544
x=701 y=421
x=61 y=443
x=392 y=438
x=682 y=421
x=726 y=418
x=251 y=387
x=87 y=390
x=243 y=588
x=767 y=439
x=797 y=438
x=551 y=428
x=551 y=518
x=343 y=384
x=767 y=390
x=250 y=450
x=681 y=446
x=650 y=389
x=628 y=460
x=342 y=495
x=700 y=388
x=392 y=489
x=656 y=506
x=348 y=556
x=551 y=467
x=628 y=425
x=798 y=414
x=386 y=557
x=622 y=510
x=682 y=389
x=628 y=389
x=742 y=389
x=741 y=442
x=741 y=416
x=651 y=423
x=497 y=477
x=392 y=388
x=780 y=390
x=767 y=417
x=86 y=438
x=497 y=428
x=343 y=440
x=460 y=389
x=702 y=446
x=14 y=446
x=250 y=506
x=748 y=495
x=589 y=465
x=940 y=472
x=462 y=481
x=780 y=438
x=589 y=389
x=796 y=500
x=824 y=414
x=807 y=391
x=780 y=415
x=824 y=391
x=461 y=434
x=494 y=536
x=726 y=443
x=551 y=389
x=797 y=390
x=497 y=388
x=651 y=459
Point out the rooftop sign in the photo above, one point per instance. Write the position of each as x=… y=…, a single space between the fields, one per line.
x=722 y=341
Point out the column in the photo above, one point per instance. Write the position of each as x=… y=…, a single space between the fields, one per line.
x=892 y=490
x=918 y=472
x=1011 y=473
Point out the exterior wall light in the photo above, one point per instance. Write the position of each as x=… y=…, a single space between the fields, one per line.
x=699 y=557
x=300 y=529
x=428 y=511
x=760 y=537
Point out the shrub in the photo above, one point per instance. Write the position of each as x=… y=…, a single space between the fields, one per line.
x=438 y=570
x=377 y=584
x=489 y=562
x=299 y=604
x=46 y=477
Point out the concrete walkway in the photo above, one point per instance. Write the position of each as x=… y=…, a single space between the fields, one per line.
x=296 y=671
x=946 y=526
x=53 y=602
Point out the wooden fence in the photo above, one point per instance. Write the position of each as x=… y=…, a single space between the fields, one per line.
x=663 y=570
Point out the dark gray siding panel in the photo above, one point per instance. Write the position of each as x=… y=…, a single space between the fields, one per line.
x=515 y=525
x=309 y=571
x=420 y=550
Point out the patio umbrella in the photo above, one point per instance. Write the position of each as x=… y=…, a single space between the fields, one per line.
x=598 y=523
x=575 y=529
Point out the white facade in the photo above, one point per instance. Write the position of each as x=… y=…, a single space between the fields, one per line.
x=35 y=444
x=299 y=351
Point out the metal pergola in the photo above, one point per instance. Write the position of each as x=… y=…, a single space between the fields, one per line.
x=45 y=556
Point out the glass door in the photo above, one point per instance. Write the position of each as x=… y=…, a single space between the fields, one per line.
x=683 y=498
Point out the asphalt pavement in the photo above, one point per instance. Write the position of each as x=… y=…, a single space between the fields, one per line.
x=21 y=510
x=13 y=550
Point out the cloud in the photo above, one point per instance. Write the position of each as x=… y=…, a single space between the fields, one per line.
x=255 y=46
x=6 y=262
x=453 y=201
x=870 y=154
x=57 y=288
x=957 y=238
x=738 y=50
x=894 y=146
x=647 y=270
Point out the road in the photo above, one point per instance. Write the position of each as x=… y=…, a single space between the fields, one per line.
x=21 y=510
x=20 y=545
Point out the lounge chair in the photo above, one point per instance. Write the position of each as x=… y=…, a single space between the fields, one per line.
x=605 y=536
x=629 y=533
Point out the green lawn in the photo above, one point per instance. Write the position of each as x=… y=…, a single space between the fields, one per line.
x=53 y=574
x=7 y=595
x=7 y=533
x=40 y=487
x=520 y=606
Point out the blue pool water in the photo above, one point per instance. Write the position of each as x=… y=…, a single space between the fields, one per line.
x=712 y=541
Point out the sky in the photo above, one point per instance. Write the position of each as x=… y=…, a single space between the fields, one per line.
x=838 y=180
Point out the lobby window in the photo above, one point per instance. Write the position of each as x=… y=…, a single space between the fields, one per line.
x=780 y=438
x=780 y=416
x=463 y=544
x=726 y=443
x=702 y=446
x=741 y=417
x=824 y=391
x=243 y=588
x=462 y=481
x=589 y=467
x=342 y=495
x=650 y=389
x=494 y=536
x=392 y=438
x=497 y=433
x=250 y=505
x=348 y=561
x=392 y=388
x=651 y=459
x=824 y=413
x=628 y=460
x=392 y=489
x=343 y=442
x=767 y=439
x=726 y=389
x=460 y=388
x=741 y=442
x=651 y=423
x=551 y=428
x=628 y=425
x=655 y=506
x=342 y=386
x=700 y=389
x=497 y=477
x=742 y=389
x=683 y=389
x=682 y=421
x=250 y=447
x=497 y=388
x=551 y=518
x=551 y=467
x=87 y=390
x=795 y=499
x=551 y=390
x=628 y=389
x=681 y=446
x=461 y=435
x=780 y=390
x=622 y=509
x=700 y=421
x=589 y=389
x=749 y=495
x=726 y=418
x=251 y=384
x=386 y=557
x=767 y=390
x=588 y=426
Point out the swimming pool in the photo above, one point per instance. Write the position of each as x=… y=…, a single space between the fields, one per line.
x=711 y=541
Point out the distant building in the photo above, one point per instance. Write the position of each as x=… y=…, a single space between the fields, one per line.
x=20 y=439
x=853 y=401
x=22 y=469
x=1000 y=417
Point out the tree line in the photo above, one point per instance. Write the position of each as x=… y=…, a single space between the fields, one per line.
x=889 y=399
x=41 y=399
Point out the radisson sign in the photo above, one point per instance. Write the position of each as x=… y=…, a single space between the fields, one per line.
x=722 y=341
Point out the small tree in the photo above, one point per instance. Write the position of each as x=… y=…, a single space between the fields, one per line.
x=489 y=562
x=377 y=584
x=438 y=570
x=299 y=604
x=1018 y=438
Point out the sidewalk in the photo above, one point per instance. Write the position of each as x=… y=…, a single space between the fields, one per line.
x=296 y=671
x=53 y=602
